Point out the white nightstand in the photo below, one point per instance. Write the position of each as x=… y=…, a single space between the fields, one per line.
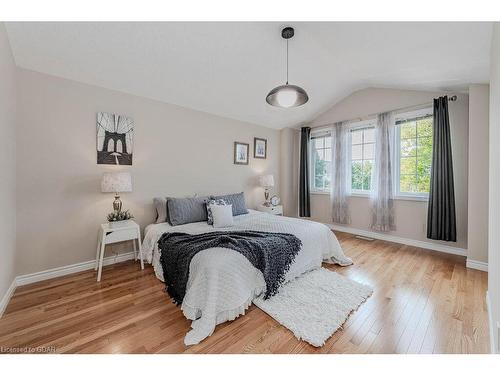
x=273 y=210
x=117 y=232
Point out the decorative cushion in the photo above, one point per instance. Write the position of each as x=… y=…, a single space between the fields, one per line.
x=186 y=210
x=222 y=215
x=213 y=202
x=236 y=200
x=161 y=209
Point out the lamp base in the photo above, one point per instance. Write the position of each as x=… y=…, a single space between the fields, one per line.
x=267 y=203
x=117 y=204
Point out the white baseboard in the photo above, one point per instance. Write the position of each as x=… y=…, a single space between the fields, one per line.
x=491 y=325
x=477 y=265
x=73 y=268
x=6 y=298
x=401 y=240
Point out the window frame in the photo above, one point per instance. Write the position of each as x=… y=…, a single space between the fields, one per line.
x=412 y=115
x=316 y=134
x=356 y=126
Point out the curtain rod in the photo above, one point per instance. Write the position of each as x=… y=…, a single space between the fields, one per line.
x=452 y=98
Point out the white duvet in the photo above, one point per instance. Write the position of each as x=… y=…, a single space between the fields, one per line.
x=222 y=282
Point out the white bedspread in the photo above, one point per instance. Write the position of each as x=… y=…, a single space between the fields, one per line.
x=222 y=283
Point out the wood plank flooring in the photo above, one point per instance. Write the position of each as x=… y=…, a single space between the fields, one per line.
x=423 y=302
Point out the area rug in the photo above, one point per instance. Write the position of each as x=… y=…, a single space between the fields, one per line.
x=316 y=304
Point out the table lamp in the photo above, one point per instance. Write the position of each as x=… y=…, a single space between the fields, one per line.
x=116 y=182
x=267 y=182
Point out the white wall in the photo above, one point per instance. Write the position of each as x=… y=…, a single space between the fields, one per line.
x=177 y=152
x=411 y=216
x=7 y=163
x=289 y=170
x=494 y=187
x=477 y=238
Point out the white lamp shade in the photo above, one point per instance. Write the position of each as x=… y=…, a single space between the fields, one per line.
x=116 y=182
x=267 y=181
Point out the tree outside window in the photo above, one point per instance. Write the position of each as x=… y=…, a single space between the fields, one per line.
x=362 y=159
x=321 y=152
x=415 y=155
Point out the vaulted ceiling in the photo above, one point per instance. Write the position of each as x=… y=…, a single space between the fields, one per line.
x=228 y=68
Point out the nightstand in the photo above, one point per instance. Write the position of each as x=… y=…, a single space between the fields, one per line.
x=273 y=210
x=117 y=232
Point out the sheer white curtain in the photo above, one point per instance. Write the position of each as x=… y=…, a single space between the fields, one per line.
x=339 y=165
x=382 y=178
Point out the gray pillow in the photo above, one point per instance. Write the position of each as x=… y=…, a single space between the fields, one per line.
x=160 y=204
x=237 y=201
x=186 y=210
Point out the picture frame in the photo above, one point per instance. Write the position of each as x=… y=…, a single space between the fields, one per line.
x=241 y=153
x=260 y=148
x=114 y=138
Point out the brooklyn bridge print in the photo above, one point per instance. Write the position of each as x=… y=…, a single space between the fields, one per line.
x=115 y=139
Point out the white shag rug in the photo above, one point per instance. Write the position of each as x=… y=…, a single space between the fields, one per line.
x=316 y=304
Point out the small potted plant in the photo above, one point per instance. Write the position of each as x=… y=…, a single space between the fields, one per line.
x=119 y=218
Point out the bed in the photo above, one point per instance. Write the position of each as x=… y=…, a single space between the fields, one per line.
x=222 y=283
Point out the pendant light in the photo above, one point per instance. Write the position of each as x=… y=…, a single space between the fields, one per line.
x=286 y=95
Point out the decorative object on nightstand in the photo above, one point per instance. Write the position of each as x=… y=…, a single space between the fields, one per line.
x=116 y=182
x=267 y=182
x=108 y=234
x=116 y=217
x=275 y=200
x=273 y=210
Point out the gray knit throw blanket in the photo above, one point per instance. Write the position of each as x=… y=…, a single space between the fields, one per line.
x=271 y=253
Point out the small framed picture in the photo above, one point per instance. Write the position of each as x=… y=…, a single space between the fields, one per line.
x=259 y=148
x=241 y=153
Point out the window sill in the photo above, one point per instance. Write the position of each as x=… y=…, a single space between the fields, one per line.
x=415 y=198
x=360 y=195
x=397 y=198
x=320 y=192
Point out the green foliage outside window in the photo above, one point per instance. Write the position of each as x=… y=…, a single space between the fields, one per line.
x=321 y=156
x=362 y=158
x=321 y=173
x=361 y=174
x=415 y=155
x=415 y=148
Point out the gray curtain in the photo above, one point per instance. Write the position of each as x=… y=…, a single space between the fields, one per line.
x=382 y=196
x=441 y=221
x=304 y=194
x=339 y=173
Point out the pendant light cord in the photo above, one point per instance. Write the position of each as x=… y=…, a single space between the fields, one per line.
x=287 y=61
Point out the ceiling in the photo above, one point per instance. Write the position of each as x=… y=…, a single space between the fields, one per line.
x=227 y=69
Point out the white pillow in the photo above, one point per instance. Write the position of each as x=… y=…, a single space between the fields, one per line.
x=222 y=215
x=210 y=203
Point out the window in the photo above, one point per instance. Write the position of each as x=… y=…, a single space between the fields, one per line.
x=321 y=159
x=412 y=157
x=362 y=156
x=414 y=154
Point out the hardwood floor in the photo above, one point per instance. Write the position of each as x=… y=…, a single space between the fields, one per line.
x=423 y=302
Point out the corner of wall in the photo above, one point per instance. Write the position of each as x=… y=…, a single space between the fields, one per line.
x=8 y=125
